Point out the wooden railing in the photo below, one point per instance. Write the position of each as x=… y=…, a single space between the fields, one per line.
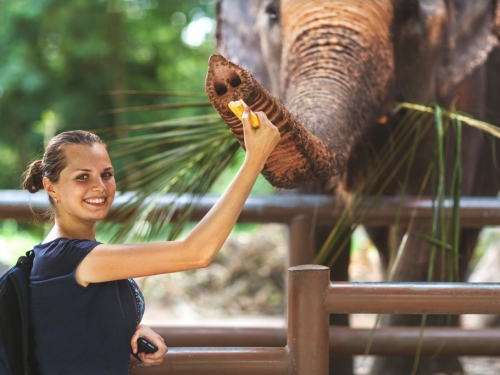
x=304 y=346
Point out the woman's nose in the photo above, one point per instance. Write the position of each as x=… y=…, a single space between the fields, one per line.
x=98 y=184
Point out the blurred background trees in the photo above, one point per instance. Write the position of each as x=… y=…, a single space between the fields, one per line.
x=57 y=56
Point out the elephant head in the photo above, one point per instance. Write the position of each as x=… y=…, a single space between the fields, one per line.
x=338 y=66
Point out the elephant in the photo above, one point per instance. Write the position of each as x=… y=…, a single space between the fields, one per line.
x=327 y=73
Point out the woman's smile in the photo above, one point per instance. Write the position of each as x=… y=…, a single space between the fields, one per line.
x=96 y=201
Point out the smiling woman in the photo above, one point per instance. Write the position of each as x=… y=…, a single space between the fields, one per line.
x=85 y=309
x=88 y=186
x=64 y=159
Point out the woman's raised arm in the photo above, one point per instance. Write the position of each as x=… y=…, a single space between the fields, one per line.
x=115 y=262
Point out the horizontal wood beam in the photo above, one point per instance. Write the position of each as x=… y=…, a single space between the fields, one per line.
x=475 y=212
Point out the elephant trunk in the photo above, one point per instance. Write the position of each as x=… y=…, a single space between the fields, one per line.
x=337 y=66
x=299 y=157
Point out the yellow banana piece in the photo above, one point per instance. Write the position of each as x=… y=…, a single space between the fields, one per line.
x=238 y=107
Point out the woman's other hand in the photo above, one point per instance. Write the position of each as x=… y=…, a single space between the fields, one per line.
x=259 y=142
x=155 y=339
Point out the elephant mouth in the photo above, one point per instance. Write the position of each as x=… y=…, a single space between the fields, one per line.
x=300 y=157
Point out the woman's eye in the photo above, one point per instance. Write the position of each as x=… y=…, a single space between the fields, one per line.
x=82 y=177
x=107 y=175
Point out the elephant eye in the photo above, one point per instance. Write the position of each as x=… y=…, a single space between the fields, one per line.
x=272 y=11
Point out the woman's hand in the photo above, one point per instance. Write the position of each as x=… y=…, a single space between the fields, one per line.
x=155 y=339
x=259 y=142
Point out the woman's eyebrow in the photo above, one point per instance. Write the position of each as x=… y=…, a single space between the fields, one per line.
x=90 y=170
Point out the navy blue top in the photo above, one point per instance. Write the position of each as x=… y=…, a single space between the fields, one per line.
x=76 y=329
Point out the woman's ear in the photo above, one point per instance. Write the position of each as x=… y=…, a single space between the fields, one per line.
x=49 y=188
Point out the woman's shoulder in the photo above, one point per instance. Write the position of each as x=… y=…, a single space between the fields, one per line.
x=63 y=254
x=65 y=243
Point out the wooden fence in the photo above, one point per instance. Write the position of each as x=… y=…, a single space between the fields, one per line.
x=304 y=346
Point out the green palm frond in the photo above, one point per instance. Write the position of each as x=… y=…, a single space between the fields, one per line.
x=180 y=157
x=435 y=242
x=155 y=93
x=417 y=121
x=453 y=115
x=156 y=107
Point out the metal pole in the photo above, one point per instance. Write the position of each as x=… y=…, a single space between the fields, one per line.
x=307 y=338
x=413 y=298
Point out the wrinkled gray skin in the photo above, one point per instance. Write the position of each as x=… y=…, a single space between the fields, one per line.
x=353 y=62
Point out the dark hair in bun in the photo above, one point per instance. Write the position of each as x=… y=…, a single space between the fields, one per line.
x=34 y=176
x=54 y=158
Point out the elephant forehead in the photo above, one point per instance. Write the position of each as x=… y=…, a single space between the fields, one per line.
x=356 y=15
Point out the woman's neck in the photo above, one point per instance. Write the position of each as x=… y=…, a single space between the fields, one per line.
x=79 y=230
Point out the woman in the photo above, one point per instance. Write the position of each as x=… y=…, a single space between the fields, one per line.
x=85 y=310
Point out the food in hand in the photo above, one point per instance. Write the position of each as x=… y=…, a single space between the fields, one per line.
x=238 y=107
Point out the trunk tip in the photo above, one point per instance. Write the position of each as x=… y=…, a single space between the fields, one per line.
x=227 y=81
x=222 y=75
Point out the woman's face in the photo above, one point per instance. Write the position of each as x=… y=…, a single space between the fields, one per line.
x=86 y=187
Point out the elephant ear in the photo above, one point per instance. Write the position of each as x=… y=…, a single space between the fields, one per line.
x=469 y=38
x=238 y=39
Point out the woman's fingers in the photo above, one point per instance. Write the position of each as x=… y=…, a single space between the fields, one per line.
x=259 y=142
x=133 y=341
x=264 y=121
x=151 y=359
x=154 y=358
x=150 y=335
x=245 y=119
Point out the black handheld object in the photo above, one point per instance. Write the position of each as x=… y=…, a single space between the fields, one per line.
x=144 y=346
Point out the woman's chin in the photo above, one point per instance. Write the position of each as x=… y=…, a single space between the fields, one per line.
x=98 y=215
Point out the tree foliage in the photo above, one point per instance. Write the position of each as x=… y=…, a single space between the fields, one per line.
x=58 y=56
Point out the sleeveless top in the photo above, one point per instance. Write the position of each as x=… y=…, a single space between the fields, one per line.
x=76 y=329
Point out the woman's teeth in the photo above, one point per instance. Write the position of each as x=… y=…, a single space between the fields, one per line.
x=95 y=201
